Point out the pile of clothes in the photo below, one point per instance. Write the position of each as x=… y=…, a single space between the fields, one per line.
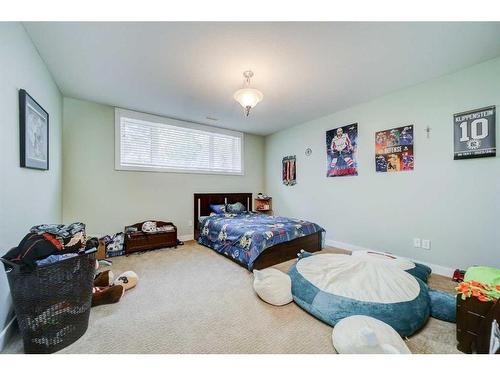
x=482 y=283
x=50 y=243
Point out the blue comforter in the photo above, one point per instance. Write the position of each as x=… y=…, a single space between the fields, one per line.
x=245 y=236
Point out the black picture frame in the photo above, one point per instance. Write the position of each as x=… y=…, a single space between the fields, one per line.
x=474 y=133
x=33 y=133
x=289 y=170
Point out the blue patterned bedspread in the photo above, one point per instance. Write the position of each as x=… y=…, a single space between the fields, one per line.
x=245 y=236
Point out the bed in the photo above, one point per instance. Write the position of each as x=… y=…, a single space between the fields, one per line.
x=252 y=240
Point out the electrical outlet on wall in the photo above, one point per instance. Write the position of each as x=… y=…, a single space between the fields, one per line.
x=426 y=244
x=416 y=242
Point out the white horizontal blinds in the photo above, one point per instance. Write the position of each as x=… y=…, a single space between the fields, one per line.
x=162 y=146
x=135 y=143
x=226 y=153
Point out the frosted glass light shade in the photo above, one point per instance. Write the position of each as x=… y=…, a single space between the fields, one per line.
x=248 y=97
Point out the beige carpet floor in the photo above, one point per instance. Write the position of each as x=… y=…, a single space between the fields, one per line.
x=193 y=300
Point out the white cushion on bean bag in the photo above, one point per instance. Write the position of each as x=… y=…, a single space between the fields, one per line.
x=273 y=286
x=403 y=263
x=362 y=278
x=361 y=334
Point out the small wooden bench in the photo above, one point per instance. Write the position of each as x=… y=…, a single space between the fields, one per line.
x=137 y=240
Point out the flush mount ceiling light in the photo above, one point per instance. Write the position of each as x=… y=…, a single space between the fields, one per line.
x=248 y=97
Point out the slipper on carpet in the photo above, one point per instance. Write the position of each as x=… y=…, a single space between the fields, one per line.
x=128 y=280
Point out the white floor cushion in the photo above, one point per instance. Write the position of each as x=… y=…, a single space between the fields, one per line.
x=273 y=286
x=403 y=263
x=362 y=278
x=361 y=334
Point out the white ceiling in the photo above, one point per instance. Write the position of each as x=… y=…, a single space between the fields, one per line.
x=305 y=70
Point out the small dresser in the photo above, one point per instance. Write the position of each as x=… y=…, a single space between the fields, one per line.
x=264 y=205
x=137 y=240
x=474 y=319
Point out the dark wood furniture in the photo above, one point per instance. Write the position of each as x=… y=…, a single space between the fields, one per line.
x=264 y=205
x=142 y=241
x=272 y=255
x=287 y=250
x=474 y=320
x=202 y=202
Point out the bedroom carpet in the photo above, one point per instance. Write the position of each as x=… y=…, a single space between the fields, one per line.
x=192 y=300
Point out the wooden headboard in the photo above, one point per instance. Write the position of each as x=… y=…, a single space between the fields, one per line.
x=202 y=202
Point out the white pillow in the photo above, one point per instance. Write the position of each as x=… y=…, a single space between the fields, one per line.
x=273 y=286
x=360 y=334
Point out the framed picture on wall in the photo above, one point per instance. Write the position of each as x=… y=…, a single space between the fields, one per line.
x=289 y=170
x=34 y=133
x=394 y=149
x=342 y=151
x=474 y=133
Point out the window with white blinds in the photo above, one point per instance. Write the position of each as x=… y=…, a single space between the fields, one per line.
x=147 y=142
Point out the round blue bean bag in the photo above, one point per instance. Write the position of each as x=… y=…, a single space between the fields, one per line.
x=332 y=287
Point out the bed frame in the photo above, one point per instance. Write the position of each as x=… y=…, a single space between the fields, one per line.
x=272 y=255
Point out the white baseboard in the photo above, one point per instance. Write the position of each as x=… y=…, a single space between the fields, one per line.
x=186 y=237
x=436 y=268
x=7 y=333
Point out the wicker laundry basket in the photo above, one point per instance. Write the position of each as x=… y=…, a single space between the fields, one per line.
x=52 y=302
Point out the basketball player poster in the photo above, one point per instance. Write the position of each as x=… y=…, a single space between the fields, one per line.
x=394 y=149
x=342 y=151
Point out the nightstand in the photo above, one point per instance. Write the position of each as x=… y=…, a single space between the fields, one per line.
x=264 y=205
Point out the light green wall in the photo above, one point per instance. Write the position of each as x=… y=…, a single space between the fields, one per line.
x=27 y=196
x=107 y=200
x=455 y=204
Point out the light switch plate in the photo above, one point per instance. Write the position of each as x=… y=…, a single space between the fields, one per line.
x=426 y=244
x=416 y=242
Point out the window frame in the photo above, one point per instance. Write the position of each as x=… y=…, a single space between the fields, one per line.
x=160 y=120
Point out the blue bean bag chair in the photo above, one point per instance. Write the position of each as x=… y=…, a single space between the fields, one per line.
x=332 y=287
x=420 y=271
x=443 y=305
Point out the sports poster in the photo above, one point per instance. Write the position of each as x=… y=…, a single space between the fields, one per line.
x=394 y=149
x=474 y=133
x=289 y=170
x=342 y=151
